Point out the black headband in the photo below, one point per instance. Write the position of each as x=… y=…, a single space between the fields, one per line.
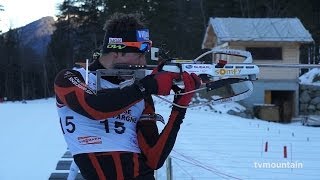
x=112 y=41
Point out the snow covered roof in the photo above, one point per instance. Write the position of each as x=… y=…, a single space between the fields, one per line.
x=258 y=29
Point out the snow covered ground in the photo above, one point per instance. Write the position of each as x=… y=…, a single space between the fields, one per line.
x=31 y=141
x=211 y=145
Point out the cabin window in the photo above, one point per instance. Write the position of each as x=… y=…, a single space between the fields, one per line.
x=265 y=53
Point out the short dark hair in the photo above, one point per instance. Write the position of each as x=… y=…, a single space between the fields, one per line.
x=124 y=26
x=123 y=22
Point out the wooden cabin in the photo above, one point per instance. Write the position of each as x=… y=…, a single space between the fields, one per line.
x=270 y=41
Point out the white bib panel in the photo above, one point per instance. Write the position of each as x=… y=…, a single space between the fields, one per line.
x=84 y=135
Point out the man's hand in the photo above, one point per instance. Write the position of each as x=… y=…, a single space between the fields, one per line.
x=191 y=82
x=159 y=67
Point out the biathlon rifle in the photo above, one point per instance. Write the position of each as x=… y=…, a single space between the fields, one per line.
x=213 y=75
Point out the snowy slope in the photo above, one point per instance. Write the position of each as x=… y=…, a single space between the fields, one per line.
x=210 y=145
x=220 y=146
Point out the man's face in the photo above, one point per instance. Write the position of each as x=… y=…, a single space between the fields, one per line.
x=130 y=58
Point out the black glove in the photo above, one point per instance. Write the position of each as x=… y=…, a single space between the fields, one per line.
x=159 y=83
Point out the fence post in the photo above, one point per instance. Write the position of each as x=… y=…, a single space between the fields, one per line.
x=155 y=175
x=169 y=168
x=285 y=151
x=266 y=147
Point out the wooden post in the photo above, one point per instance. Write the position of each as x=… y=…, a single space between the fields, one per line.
x=169 y=168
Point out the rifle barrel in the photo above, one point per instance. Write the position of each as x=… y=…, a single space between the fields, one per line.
x=300 y=66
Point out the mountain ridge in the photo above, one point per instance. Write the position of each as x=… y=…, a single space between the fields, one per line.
x=37 y=34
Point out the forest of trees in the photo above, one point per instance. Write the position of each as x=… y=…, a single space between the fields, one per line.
x=177 y=25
